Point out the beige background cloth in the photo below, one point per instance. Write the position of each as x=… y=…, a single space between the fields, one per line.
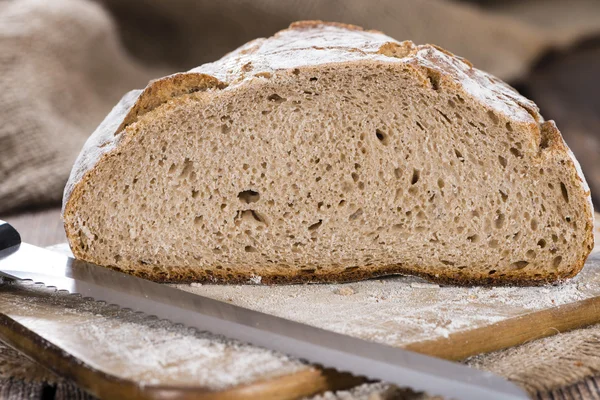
x=65 y=63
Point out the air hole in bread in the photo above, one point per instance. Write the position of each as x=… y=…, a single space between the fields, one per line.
x=544 y=142
x=493 y=117
x=315 y=226
x=530 y=254
x=276 y=98
x=493 y=244
x=434 y=79
x=503 y=196
x=541 y=243
x=187 y=170
x=440 y=183
x=556 y=261
x=519 y=264
x=258 y=217
x=249 y=196
x=249 y=216
x=397 y=227
x=534 y=224
x=250 y=249
x=473 y=238
x=198 y=220
x=459 y=155
x=382 y=136
x=502 y=161
x=499 y=221
x=444 y=116
x=356 y=214
x=415 y=176
x=563 y=190
x=420 y=125
x=516 y=152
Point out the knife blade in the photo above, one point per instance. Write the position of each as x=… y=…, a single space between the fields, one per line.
x=22 y=261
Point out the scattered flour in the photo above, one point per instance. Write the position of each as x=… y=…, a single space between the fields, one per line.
x=144 y=349
x=345 y=291
x=401 y=310
x=443 y=332
x=422 y=285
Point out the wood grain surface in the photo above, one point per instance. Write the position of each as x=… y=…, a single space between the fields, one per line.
x=163 y=360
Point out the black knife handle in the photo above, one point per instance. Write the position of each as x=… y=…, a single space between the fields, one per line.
x=8 y=235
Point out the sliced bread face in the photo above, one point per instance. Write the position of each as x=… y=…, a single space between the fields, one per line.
x=328 y=153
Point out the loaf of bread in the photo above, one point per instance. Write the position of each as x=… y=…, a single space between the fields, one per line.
x=330 y=153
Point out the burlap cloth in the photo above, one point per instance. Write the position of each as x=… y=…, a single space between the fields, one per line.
x=65 y=63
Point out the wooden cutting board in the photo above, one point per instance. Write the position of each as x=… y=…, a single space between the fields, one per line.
x=118 y=353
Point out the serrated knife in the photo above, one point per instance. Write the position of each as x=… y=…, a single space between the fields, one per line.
x=22 y=261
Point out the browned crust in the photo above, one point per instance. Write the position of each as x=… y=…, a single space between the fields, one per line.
x=184 y=276
x=161 y=91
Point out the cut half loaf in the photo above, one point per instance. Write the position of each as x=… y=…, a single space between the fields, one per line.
x=329 y=153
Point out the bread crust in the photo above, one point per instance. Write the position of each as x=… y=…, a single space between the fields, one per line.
x=310 y=44
x=359 y=274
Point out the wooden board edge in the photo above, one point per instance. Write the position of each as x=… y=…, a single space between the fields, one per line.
x=513 y=331
x=291 y=386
